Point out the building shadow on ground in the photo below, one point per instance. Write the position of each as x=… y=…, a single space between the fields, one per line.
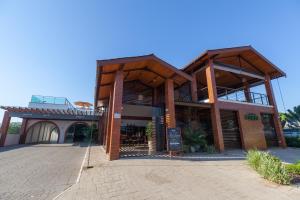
x=228 y=155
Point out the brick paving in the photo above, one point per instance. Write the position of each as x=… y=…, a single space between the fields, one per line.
x=38 y=171
x=160 y=178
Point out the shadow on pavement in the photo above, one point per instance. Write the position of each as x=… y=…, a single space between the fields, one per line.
x=236 y=155
x=41 y=145
x=13 y=147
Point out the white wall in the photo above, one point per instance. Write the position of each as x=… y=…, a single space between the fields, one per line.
x=12 y=139
x=63 y=125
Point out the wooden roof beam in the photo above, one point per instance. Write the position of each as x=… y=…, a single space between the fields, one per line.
x=228 y=68
x=249 y=63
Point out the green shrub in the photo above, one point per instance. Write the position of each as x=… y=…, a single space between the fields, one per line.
x=268 y=166
x=210 y=149
x=293 y=169
x=292 y=141
x=194 y=138
x=253 y=158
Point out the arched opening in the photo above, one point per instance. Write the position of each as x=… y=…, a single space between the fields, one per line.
x=78 y=132
x=42 y=132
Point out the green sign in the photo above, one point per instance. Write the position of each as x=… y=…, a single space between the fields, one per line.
x=251 y=116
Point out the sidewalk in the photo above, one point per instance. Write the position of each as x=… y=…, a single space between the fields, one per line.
x=136 y=179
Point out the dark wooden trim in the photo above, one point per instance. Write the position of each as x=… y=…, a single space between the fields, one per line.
x=136 y=118
x=106 y=84
x=191 y=104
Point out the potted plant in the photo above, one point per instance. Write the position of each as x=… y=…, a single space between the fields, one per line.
x=150 y=138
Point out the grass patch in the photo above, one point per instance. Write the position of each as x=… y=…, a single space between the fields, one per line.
x=293 y=168
x=269 y=167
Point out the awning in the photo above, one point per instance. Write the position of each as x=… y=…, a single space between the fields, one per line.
x=60 y=114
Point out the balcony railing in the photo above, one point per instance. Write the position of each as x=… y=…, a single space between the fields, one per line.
x=244 y=96
x=228 y=94
x=50 y=100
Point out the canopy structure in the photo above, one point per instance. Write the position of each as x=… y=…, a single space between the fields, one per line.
x=148 y=69
x=61 y=114
x=245 y=56
x=234 y=66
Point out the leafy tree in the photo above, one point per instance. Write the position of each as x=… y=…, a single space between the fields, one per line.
x=14 y=128
x=282 y=117
x=293 y=117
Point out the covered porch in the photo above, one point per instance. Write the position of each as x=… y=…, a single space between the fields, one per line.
x=132 y=92
x=226 y=79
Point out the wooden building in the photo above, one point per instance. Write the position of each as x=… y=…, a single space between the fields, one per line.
x=212 y=92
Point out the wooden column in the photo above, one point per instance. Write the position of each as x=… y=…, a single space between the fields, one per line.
x=194 y=88
x=109 y=119
x=247 y=91
x=23 y=132
x=155 y=97
x=215 y=111
x=4 y=128
x=100 y=130
x=272 y=101
x=170 y=105
x=114 y=149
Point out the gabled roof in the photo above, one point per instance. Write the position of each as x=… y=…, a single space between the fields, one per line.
x=251 y=57
x=149 y=69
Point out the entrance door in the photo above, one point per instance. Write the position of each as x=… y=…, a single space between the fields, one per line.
x=230 y=129
x=269 y=130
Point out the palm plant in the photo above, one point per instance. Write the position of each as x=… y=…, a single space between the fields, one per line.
x=194 y=138
x=293 y=117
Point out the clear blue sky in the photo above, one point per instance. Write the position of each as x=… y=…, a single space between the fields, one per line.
x=51 y=47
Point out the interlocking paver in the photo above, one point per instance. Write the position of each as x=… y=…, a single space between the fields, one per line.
x=38 y=171
x=138 y=179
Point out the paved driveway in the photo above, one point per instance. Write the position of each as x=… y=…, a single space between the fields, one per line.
x=38 y=171
x=222 y=177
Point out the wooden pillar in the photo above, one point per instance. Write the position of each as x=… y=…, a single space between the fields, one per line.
x=155 y=97
x=194 y=88
x=272 y=101
x=23 y=132
x=100 y=131
x=170 y=105
x=109 y=119
x=215 y=111
x=114 y=148
x=247 y=91
x=4 y=128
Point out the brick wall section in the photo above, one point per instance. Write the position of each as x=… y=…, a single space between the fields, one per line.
x=4 y=127
x=252 y=133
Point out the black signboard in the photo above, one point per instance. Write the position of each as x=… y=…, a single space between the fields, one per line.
x=174 y=139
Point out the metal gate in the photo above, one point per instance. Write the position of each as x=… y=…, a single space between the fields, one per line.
x=134 y=142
